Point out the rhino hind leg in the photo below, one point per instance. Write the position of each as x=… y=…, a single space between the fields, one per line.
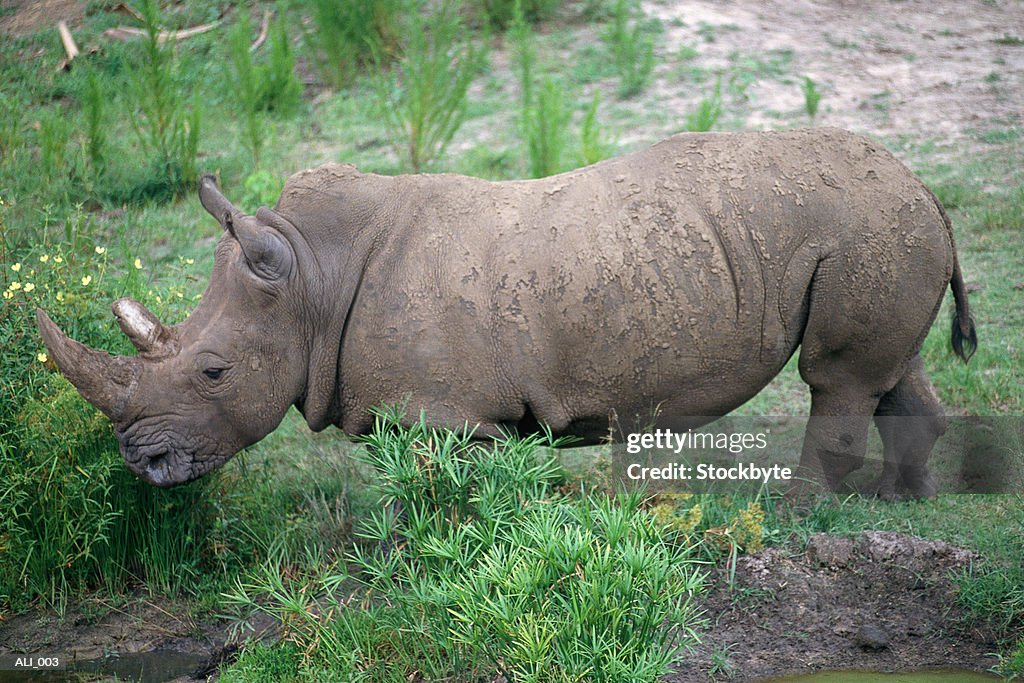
x=910 y=419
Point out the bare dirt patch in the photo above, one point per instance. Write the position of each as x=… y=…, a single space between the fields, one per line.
x=882 y=601
x=919 y=68
x=22 y=17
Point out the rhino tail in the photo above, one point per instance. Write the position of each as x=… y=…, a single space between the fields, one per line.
x=964 y=336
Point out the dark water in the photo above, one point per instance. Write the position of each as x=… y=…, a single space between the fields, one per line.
x=943 y=676
x=140 y=667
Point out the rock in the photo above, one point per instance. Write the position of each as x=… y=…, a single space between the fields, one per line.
x=871 y=637
x=830 y=551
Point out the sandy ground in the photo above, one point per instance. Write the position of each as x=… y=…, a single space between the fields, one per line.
x=919 y=68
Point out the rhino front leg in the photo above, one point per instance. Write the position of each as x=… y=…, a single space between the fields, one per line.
x=910 y=420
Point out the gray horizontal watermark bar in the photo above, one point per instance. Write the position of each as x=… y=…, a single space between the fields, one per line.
x=736 y=453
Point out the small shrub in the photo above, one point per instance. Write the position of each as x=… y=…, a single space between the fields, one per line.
x=501 y=14
x=593 y=147
x=545 y=125
x=262 y=188
x=423 y=100
x=631 y=48
x=54 y=135
x=705 y=116
x=166 y=128
x=280 y=88
x=247 y=84
x=94 y=107
x=350 y=35
x=543 y=115
x=811 y=97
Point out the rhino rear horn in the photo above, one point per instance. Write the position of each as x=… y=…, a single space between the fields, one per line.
x=145 y=332
x=216 y=203
x=103 y=380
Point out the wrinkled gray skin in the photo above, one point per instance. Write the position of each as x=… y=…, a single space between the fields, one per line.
x=661 y=288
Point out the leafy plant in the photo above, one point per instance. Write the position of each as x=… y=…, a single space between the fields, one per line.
x=811 y=97
x=423 y=100
x=631 y=48
x=705 y=116
x=166 y=129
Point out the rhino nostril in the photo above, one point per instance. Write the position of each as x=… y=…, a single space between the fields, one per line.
x=157 y=461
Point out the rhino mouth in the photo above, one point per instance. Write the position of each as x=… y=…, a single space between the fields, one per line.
x=158 y=459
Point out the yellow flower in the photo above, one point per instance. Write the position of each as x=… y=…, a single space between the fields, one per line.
x=190 y=261
x=58 y=259
x=14 y=286
x=16 y=267
x=44 y=258
x=60 y=296
x=138 y=264
x=8 y=294
x=86 y=280
x=101 y=250
x=29 y=287
x=42 y=357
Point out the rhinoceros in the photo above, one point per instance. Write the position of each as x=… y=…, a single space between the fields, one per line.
x=661 y=288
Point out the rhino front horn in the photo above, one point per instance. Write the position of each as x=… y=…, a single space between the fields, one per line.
x=146 y=333
x=103 y=380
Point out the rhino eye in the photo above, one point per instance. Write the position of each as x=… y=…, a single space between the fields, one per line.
x=213 y=373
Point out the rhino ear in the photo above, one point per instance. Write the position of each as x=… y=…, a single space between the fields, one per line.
x=266 y=251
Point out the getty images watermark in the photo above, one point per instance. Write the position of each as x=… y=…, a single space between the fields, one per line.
x=666 y=440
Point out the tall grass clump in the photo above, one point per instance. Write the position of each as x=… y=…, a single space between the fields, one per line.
x=423 y=98
x=709 y=109
x=247 y=85
x=166 y=126
x=501 y=14
x=347 y=36
x=631 y=48
x=475 y=563
x=94 y=108
x=812 y=96
x=543 y=113
x=54 y=136
x=593 y=146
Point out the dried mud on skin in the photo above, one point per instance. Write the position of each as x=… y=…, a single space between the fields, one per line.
x=881 y=601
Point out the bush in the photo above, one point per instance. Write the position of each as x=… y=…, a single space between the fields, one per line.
x=475 y=563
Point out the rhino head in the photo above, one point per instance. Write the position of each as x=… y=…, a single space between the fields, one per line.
x=200 y=391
